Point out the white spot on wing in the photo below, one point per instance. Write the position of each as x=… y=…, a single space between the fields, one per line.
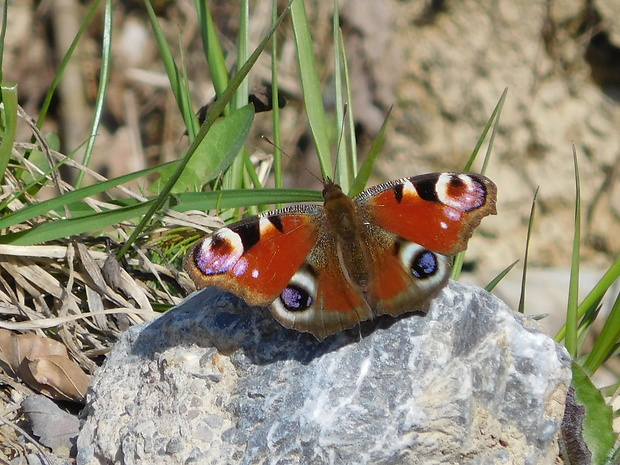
x=409 y=189
x=241 y=267
x=265 y=226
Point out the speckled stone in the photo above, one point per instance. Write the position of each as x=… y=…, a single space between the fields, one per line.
x=216 y=382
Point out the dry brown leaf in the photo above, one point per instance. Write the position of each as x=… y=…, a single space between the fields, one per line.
x=132 y=289
x=36 y=275
x=57 y=377
x=44 y=364
x=7 y=352
x=15 y=347
x=32 y=346
x=93 y=271
x=145 y=315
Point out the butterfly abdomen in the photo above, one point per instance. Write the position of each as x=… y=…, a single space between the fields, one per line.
x=345 y=227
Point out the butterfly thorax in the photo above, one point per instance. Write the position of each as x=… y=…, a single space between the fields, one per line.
x=346 y=228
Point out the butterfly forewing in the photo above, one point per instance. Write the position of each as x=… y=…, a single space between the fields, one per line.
x=438 y=210
x=257 y=257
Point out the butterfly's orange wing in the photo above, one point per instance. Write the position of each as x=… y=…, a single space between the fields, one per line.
x=414 y=226
x=257 y=257
x=439 y=211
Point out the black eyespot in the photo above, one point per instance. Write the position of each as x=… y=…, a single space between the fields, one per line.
x=295 y=299
x=424 y=264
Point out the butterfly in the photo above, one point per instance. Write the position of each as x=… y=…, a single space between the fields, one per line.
x=323 y=269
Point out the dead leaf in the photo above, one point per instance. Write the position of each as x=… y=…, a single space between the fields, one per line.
x=43 y=364
x=15 y=347
x=54 y=427
x=57 y=377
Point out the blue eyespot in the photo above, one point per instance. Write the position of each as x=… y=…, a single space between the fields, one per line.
x=424 y=264
x=295 y=299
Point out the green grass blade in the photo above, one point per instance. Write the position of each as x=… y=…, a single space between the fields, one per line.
x=313 y=98
x=236 y=198
x=63 y=64
x=233 y=178
x=573 y=289
x=213 y=49
x=368 y=165
x=495 y=281
x=595 y=295
x=606 y=341
x=64 y=228
x=35 y=179
x=58 y=229
x=9 y=124
x=174 y=76
x=213 y=113
x=230 y=199
x=275 y=114
x=528 y=238
x=187 y=111
x=57 y=203
x=344 y=171
x=457 y=265
x=350 y=117
x=104 y=80
x=487 y=156
x=214 y=154
x=5 y=13
x=493 y=122
x=243 y=40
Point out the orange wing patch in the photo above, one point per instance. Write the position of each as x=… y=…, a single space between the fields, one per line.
x=254 y=259
x=438 y=211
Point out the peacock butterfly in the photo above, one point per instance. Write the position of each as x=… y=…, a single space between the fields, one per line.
x=326 y=268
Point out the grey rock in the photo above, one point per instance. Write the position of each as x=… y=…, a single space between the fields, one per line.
x=216 y=382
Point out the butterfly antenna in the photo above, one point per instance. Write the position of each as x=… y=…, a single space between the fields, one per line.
x=301 y=165
x=340 y=137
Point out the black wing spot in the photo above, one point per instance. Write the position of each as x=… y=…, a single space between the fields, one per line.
x=276 y=221
x=427 y=189
x=398 y=192
x=249 y=233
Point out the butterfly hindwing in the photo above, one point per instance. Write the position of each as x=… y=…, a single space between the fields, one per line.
x=410 y=274
x=319 y=298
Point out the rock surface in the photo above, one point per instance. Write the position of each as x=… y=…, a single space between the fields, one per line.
x=213 y=382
